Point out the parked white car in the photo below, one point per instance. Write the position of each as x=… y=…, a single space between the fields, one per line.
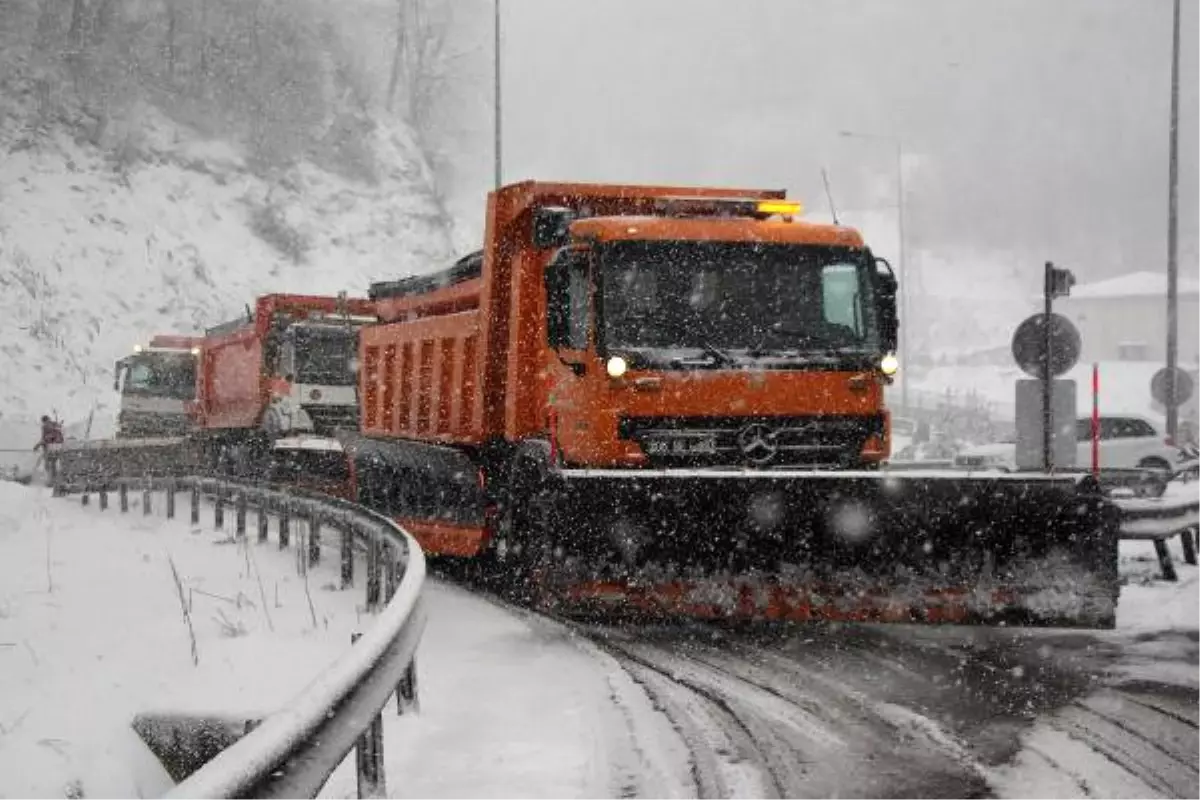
x=1127 y=441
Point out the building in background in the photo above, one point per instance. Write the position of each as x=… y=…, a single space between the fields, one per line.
x=1125 y=318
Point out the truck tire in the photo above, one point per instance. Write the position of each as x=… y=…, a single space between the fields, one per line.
x=523 y=545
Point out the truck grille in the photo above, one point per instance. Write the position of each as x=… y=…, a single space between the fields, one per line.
x=327 y=419
x=765 y=442
x=136 y=424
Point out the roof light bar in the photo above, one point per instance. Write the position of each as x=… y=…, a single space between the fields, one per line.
x=727 y=207
x=785 y=207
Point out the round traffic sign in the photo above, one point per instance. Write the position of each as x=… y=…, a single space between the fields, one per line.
x=1184 y=386
x=1029 y=345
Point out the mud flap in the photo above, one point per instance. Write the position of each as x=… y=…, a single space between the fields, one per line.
x=908 y=547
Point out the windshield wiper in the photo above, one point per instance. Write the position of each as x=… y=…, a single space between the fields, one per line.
x=689 y=335
x=719 y=356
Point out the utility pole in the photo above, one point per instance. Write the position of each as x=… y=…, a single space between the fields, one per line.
x=906 y=317
x=1173 y=233
x=496 y=99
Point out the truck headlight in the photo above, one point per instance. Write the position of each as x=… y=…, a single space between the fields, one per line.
x=889 y=364
x=616 y=367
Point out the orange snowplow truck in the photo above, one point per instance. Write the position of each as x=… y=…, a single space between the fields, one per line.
x=287 y=366
x=670 y=400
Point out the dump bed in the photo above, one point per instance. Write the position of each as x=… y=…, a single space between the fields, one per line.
x=457 y=357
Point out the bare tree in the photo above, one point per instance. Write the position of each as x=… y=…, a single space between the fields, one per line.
x=421 y=59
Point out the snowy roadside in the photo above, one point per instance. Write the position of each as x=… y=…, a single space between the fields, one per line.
x=1148 y=603
x=1157 y=634
x=92 y=633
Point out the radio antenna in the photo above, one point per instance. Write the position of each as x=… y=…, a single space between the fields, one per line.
x=829 y=195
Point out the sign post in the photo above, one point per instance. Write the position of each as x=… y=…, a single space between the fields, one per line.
x=1095 y=419
x=1045 y=346
x=1057 y=283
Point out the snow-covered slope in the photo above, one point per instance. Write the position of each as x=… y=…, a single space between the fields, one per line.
x=96 y=255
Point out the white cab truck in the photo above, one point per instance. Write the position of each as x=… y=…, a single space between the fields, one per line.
x=156 y=382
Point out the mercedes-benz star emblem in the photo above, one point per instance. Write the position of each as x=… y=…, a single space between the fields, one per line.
x=757 y=443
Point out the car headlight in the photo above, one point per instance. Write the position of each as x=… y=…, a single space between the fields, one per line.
x=889 y=364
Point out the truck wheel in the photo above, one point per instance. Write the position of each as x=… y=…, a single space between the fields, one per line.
x=523 y=541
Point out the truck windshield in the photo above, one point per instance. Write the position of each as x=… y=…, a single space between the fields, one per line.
x=161 y=375
x=325 y=354
x=741 y=299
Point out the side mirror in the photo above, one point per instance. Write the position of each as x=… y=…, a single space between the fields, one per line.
x=885 y=300
x=558 y=300
x=551 y=226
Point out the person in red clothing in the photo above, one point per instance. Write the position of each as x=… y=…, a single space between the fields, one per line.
x=51 y=434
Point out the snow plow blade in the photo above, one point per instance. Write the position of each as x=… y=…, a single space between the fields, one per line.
x=94 y=464
x=839 y=546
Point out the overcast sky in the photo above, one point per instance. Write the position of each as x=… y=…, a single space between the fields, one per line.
x=1032 y=129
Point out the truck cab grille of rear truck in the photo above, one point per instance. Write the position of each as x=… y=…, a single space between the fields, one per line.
x=765 y=442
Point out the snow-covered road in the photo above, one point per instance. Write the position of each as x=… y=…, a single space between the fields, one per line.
x=516 y=704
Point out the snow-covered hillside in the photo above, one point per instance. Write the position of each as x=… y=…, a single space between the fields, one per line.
x=159 y=170
x=96 y=256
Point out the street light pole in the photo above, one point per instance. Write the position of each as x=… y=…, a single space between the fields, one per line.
x=1173 y=233
x=904 y=308
x=902 y=275
x=496 y=89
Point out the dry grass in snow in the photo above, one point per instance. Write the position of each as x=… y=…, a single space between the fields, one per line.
x=93 y=631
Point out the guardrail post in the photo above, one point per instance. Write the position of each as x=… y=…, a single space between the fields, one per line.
x=240 y=515
x=171 y=499
x=391 y=566
x=1188 y=540
x=1164 y=560
x=195 y=504
x=347 y=555
x=368 y=755
x=314 y=539
x=284 y=526
x=124 y=492
x=263 y=520
x=219 y=508
x=406 y=690
x=373 y=574
x=146 y=499
x=103 y=498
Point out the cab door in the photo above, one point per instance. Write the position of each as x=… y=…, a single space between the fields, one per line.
x=570 y=347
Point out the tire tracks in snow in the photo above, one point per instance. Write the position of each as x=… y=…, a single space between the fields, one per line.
x=870 y=713
x=812 y=737
x=895 y=711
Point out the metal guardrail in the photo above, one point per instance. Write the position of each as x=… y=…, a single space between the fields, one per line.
x=292 y=752
x=1160 y=518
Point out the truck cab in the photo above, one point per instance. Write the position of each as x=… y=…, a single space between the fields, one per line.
x=287 y=366
x=313 y=365
x=156 y=383
x=715 y=332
